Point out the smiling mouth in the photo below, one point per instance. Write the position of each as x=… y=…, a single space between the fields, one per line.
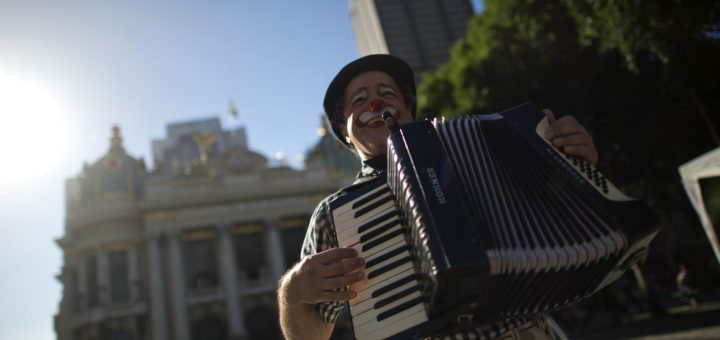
x=374 y=119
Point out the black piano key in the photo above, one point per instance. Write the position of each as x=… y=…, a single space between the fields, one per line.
x=376 y=221
x=370 y=207
x=386 y=256
x=379 y=231
x=369 y=198
x=395 y=297
x=381 y=240
x=387 y=267
x=382 y=290
x=399 y=308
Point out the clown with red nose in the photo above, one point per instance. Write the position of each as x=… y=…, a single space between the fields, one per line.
x=366 y=97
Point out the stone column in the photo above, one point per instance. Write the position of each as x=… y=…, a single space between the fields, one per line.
x=103 y=263
x=133 y=276
x=81 y=284
x=177 y=275
x=273 y=248
x=157 y=293
x=228 y=271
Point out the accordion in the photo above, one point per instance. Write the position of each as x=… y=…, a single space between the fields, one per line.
x=482 y=218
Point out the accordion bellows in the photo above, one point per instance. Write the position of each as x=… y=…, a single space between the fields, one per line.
x=484 y=219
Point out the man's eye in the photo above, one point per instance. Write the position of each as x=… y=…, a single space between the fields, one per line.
x=357 y=100
x=388 y=93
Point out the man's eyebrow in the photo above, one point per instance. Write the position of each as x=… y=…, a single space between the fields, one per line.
x=381 y=85
x=357 y=91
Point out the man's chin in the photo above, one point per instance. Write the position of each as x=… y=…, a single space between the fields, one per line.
x=376 y=149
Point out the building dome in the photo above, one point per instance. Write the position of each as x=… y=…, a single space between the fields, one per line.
x=115 y=175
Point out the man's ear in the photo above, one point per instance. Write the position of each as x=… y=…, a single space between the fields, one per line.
x=343 y=130
x=346 y=137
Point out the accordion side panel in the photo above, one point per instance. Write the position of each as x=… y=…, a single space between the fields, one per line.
x=638 y=221
x=633 y=223
x=533 y=290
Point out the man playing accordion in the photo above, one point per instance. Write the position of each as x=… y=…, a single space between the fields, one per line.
x=312 y=293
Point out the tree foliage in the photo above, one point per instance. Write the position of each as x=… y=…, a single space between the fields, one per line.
x=643 y=76
x=666 y=29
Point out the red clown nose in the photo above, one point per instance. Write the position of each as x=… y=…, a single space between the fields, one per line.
x=376 y=105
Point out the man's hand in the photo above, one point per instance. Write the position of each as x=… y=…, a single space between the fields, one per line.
x=569 y=134
x=316 y=278
x=319 y=277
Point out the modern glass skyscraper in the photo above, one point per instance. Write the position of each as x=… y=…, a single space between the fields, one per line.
x=419 y=31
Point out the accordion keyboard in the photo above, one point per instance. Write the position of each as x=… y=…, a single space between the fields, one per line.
x=580 y=167
x=389 y=299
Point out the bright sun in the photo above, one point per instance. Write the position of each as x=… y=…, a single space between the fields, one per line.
x=33 y=131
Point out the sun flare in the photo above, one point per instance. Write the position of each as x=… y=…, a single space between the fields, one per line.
x=33 y=131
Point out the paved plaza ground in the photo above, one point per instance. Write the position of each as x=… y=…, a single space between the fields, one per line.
x=683 y=322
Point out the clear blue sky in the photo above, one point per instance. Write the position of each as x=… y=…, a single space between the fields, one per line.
x=70 y=70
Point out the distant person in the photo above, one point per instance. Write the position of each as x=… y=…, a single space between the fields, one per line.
x=686 y=284
x=311 y=294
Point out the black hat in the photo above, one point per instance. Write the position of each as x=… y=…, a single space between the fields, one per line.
x=398 y=69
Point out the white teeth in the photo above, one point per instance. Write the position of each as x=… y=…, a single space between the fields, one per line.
x=369 y=117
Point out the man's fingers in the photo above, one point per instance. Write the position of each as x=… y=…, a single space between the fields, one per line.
x=579 y=145
x=585 y=151
x=550 y=115
x=569 y=134
x=343 y=267
x=576 y=139
x=334 y=255
x=567 y=125
x=343 y=281
x=342 y=295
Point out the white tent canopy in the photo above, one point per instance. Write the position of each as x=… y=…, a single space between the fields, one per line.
x=704 y=166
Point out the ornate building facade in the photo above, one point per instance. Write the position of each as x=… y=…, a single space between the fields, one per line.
x=194 y=248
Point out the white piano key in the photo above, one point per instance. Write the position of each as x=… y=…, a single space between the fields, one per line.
x=378 y=281
x=351 y=236
x=367 y=292
x=365 y=254
x=347 y=210
x=364 y=305
x=366 y=287
x=371 y=315
x=392 y=325
x=387 y=247
x=349 y=221
x=348 y=206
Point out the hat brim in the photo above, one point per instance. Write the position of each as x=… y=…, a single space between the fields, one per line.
x=398 y=69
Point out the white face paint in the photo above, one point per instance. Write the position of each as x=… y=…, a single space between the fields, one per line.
x=374 y=119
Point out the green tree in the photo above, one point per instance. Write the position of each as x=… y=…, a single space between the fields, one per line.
x=649 y=97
